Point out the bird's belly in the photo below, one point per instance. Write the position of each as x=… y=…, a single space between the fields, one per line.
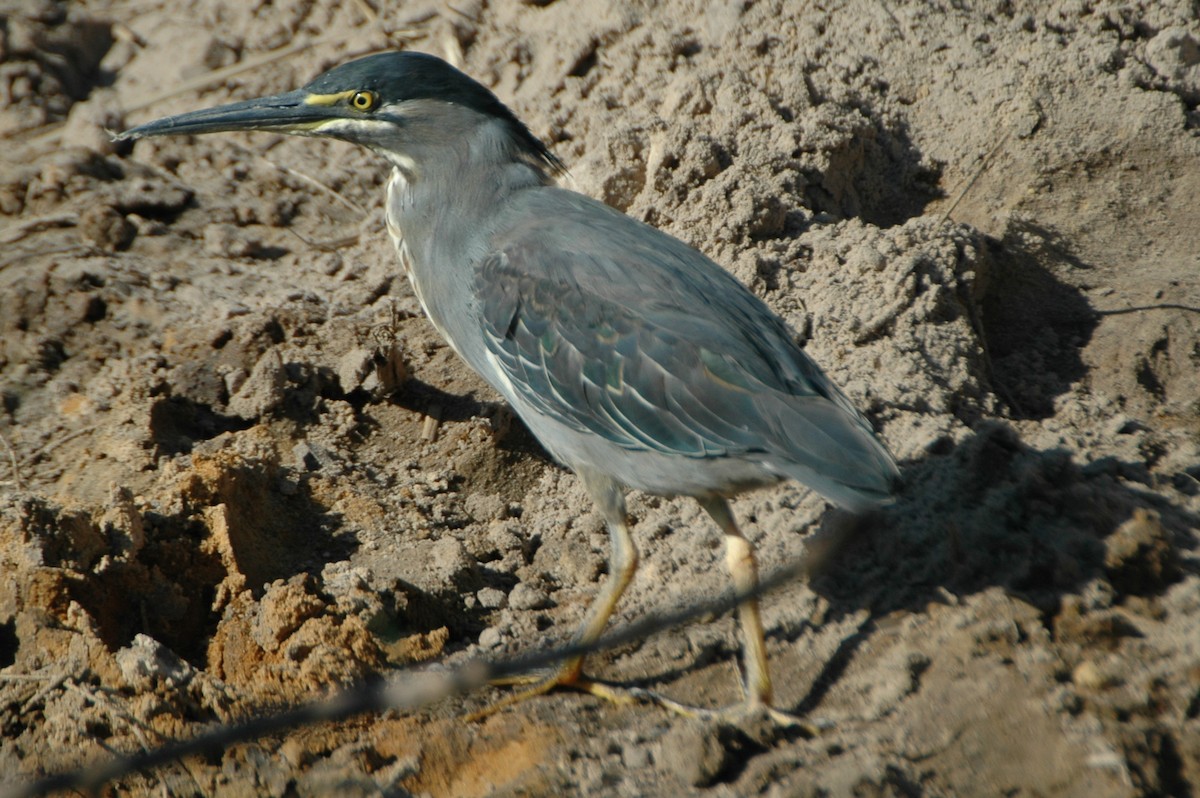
x=646 y=469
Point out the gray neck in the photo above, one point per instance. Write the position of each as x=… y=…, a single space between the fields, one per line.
x=457 y=172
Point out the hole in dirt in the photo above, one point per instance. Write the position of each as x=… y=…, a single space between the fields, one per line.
x=1035 y=324
x=167 y=592
x=8 y=644
x=177 y=423
x=428 y=611
x=879 y=176
x=585 y=63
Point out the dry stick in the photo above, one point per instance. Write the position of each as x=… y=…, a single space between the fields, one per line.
x=43 y=253
x=417 y=690
x=49 y=447
x=44 y=693
x=218 y=75
x=372 y=18
x=120 y=714
x=332 y=245
x=16 y=232
x=977 y=323
x=12 y=458
x=895 y=20
x=307 y=178
x=983 y=166
x=431 y=423
x=368 y=13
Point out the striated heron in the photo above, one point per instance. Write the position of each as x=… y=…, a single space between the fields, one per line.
x=636 y=361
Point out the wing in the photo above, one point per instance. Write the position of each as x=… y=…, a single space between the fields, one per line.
x=613 y=328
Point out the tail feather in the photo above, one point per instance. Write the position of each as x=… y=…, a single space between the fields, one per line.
x=832 y=452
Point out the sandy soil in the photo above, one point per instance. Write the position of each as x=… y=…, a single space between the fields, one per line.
x=237 y=468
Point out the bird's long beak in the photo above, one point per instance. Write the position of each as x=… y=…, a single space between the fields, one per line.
x=284 y=113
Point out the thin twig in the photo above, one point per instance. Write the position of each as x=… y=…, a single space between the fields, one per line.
x=42 y=452
x=102 y=701
x=119 y=713
x=12 y=458
x=312 y=181
x=41 y=695
x=368 y=13
x=983 y=165
x=332 y=245
x=218 y=75
x=14 y=233
x=887 y=9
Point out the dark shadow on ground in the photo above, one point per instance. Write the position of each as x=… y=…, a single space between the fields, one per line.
x=1035 y=323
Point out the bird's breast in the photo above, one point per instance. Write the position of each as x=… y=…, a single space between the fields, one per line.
x=397 y=197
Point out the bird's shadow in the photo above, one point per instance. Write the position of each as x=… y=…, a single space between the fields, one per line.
x=512 y=435
x=995 y=512
x=991 y=512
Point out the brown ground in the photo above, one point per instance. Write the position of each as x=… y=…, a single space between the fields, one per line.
x=219 y=491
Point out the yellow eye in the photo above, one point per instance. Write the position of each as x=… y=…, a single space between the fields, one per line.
x=364 y=100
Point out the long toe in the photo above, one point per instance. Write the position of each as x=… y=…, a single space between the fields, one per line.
x=567 y=677
x=741 y=714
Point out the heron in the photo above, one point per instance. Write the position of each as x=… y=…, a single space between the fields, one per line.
x=635 y=360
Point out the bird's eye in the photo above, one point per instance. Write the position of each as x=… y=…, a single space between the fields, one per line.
x=364 y=100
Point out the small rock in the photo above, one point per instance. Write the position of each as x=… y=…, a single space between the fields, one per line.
x=312 y=457
x=489 y=637
x=90 y=122
x=1140 y=558
x=234 y=380
x=1087 y=676
x=148 y=193
x=1174 y=53
x=146 y=661
x=525 y=597
x=490 y=598
x=123 y=524
x=284 y=607
x=353 y=369
x=230 y=241
x=379 y=370
x=435 y=567
x=263 y=390
x=696 y=753
x=484 y=506
x=105 y=228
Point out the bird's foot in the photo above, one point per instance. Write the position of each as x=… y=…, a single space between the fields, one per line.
x=567 y=678
x=737 y=714
x=747 y=712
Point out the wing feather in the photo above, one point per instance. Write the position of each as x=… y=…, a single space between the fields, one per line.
x=615 y=329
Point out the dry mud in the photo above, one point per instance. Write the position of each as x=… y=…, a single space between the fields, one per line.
x=237 y=468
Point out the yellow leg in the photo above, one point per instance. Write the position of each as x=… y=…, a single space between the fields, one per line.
x=739 y=557
x=609 y=498
x=622 y=563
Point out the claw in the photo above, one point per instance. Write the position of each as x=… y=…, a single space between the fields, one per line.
x=567 y=678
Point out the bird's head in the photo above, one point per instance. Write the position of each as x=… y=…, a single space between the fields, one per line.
x=392 y=102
